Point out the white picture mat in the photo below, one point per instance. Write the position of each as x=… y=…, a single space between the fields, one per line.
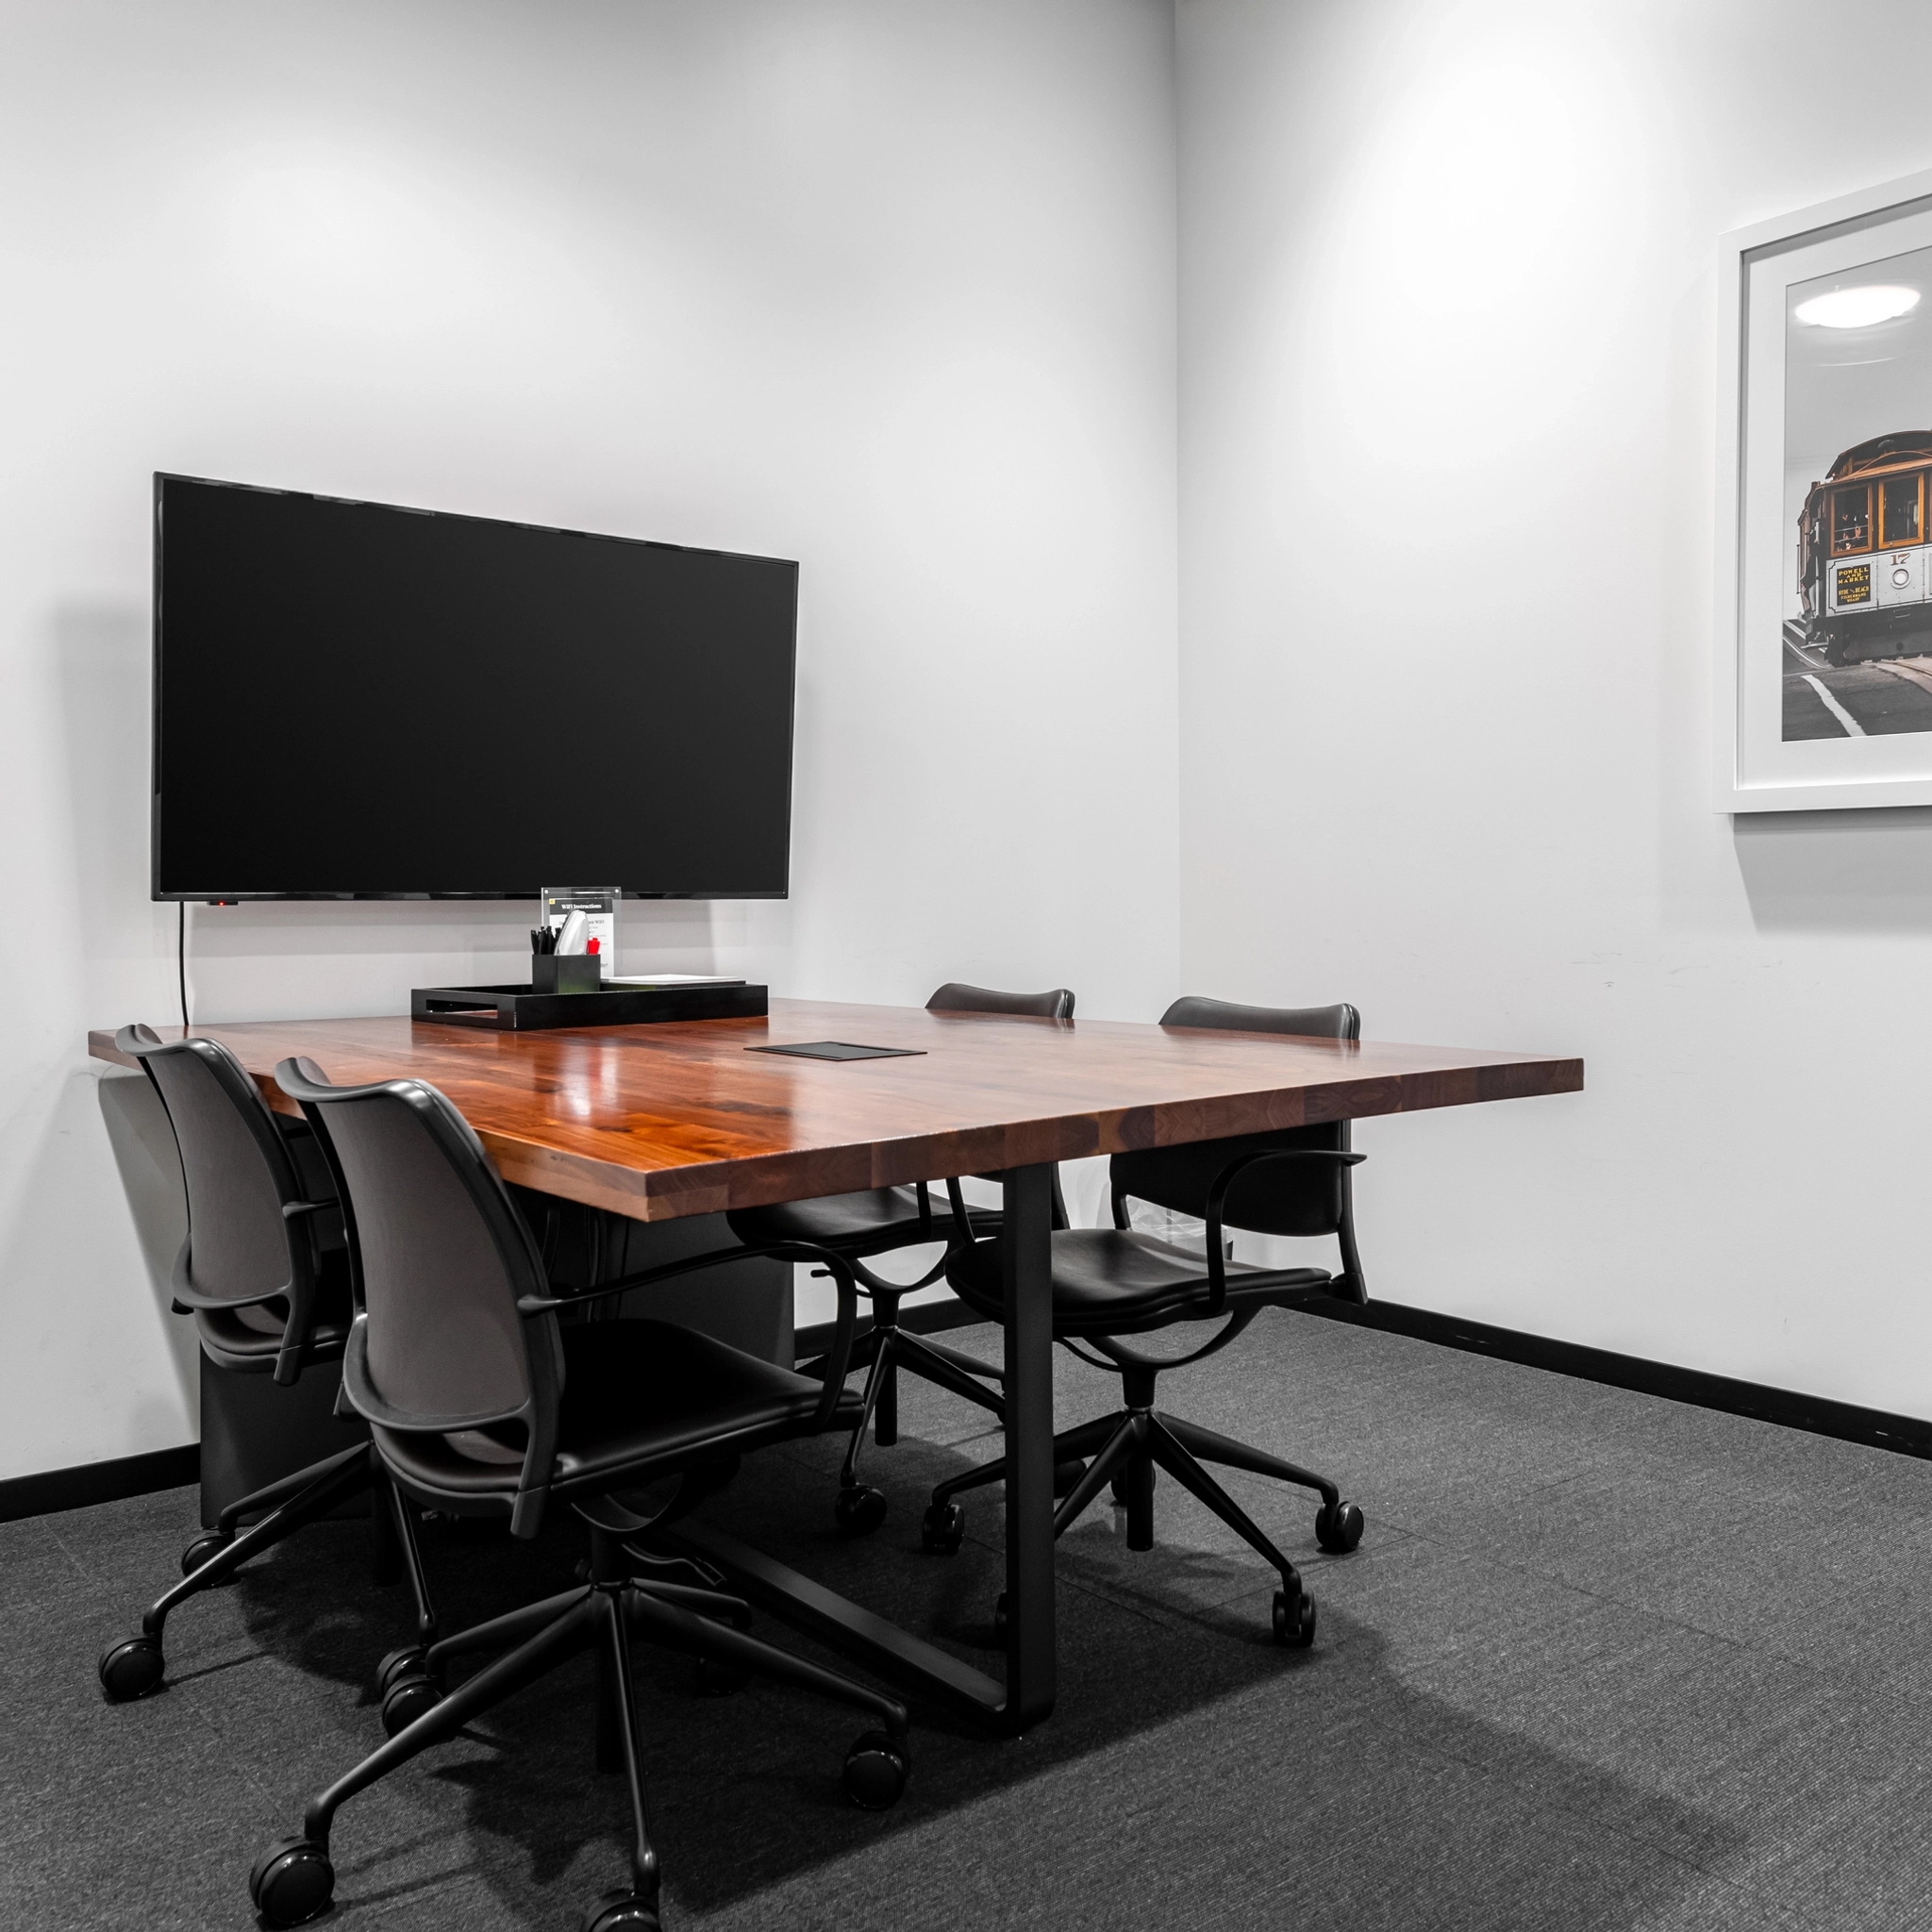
x=1756 y=769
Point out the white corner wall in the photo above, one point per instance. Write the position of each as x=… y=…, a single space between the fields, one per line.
x=888 y=289
x=892 y=289
x=1448 y=400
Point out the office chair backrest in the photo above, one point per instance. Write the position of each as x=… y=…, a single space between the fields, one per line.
x=955 y=998
x=235 y=1165
x=1289 y=1197
x=438 y=1252
x=1311 y=1022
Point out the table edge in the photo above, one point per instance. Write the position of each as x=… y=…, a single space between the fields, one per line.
x=708 y=1186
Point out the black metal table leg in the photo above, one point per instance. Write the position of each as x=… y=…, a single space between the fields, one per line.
x=1026 y=1266
x=1027 y=1695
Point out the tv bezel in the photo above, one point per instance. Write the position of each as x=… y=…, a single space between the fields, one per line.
x=214 y=896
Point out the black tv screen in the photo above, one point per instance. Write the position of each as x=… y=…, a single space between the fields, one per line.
x=357 y=701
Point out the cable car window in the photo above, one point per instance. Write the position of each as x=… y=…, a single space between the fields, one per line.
x=1900 y=510
x=1851 y=520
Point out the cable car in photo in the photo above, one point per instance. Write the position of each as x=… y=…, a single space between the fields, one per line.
x=1864 y=564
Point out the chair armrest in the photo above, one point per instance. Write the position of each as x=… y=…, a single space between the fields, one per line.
x=965 y=1219
x=304 y=1290
x=299 y=1291
x=187 y=1300
x=364 y=1399
x=669 y=1270
x=1217 y=1199
x=838 y=1358
x=956 y=1200
x=186 y=1297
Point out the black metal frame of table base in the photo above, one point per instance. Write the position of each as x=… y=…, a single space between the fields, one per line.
x=1026 y=1697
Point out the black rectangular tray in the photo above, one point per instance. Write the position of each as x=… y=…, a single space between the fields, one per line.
x=523 y=1010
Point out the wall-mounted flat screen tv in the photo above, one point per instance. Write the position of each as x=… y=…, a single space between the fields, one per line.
x=357 y=701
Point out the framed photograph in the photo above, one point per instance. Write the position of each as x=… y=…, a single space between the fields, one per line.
x=1825 y=489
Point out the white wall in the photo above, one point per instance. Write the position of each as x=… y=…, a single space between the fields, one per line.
x=891 y=287
x=1454 y=766
x=886 y=287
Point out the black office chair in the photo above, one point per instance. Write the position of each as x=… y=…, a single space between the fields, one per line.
x=265 y=1272
x=1111 y=1282
x=862 y=1227
x=481 y=1402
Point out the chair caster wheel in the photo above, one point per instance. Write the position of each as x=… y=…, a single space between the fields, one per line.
x=407 y=1699
x=291 y=1882
x=131 y=1668
x=207 y=1545
x=1066 y=1476
x=1340 y=1529
x=942 y=1529
x=860 y=1510
x=712 y=1678
x=620 y=1911
x=876 y=1768
x=407 y=1662
x=1294 y=1619
x=999 y=1618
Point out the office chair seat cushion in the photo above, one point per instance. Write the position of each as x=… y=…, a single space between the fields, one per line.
x=641 y=1399
x=873 y=1222
x=251 y=1337
x=1107 y=1281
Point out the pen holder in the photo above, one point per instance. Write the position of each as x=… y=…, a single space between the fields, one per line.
x=566 y=973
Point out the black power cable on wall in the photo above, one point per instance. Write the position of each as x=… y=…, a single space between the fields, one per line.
x=181 y=955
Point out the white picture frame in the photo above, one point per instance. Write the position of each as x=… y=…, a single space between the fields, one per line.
x=1759 y=764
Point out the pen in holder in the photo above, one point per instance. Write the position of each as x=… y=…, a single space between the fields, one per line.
x=566 y=973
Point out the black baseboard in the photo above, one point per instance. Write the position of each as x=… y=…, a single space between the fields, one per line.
x=928 y=1318
x=99 y=1482
x=1817 y=1414
x=168 y=1469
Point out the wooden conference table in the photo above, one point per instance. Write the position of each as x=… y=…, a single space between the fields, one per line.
x=662 y=1121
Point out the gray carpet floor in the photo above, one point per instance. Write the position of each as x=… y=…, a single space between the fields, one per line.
x=1602 y=1661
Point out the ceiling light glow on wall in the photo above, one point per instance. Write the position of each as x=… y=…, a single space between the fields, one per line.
x=1857 y=307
